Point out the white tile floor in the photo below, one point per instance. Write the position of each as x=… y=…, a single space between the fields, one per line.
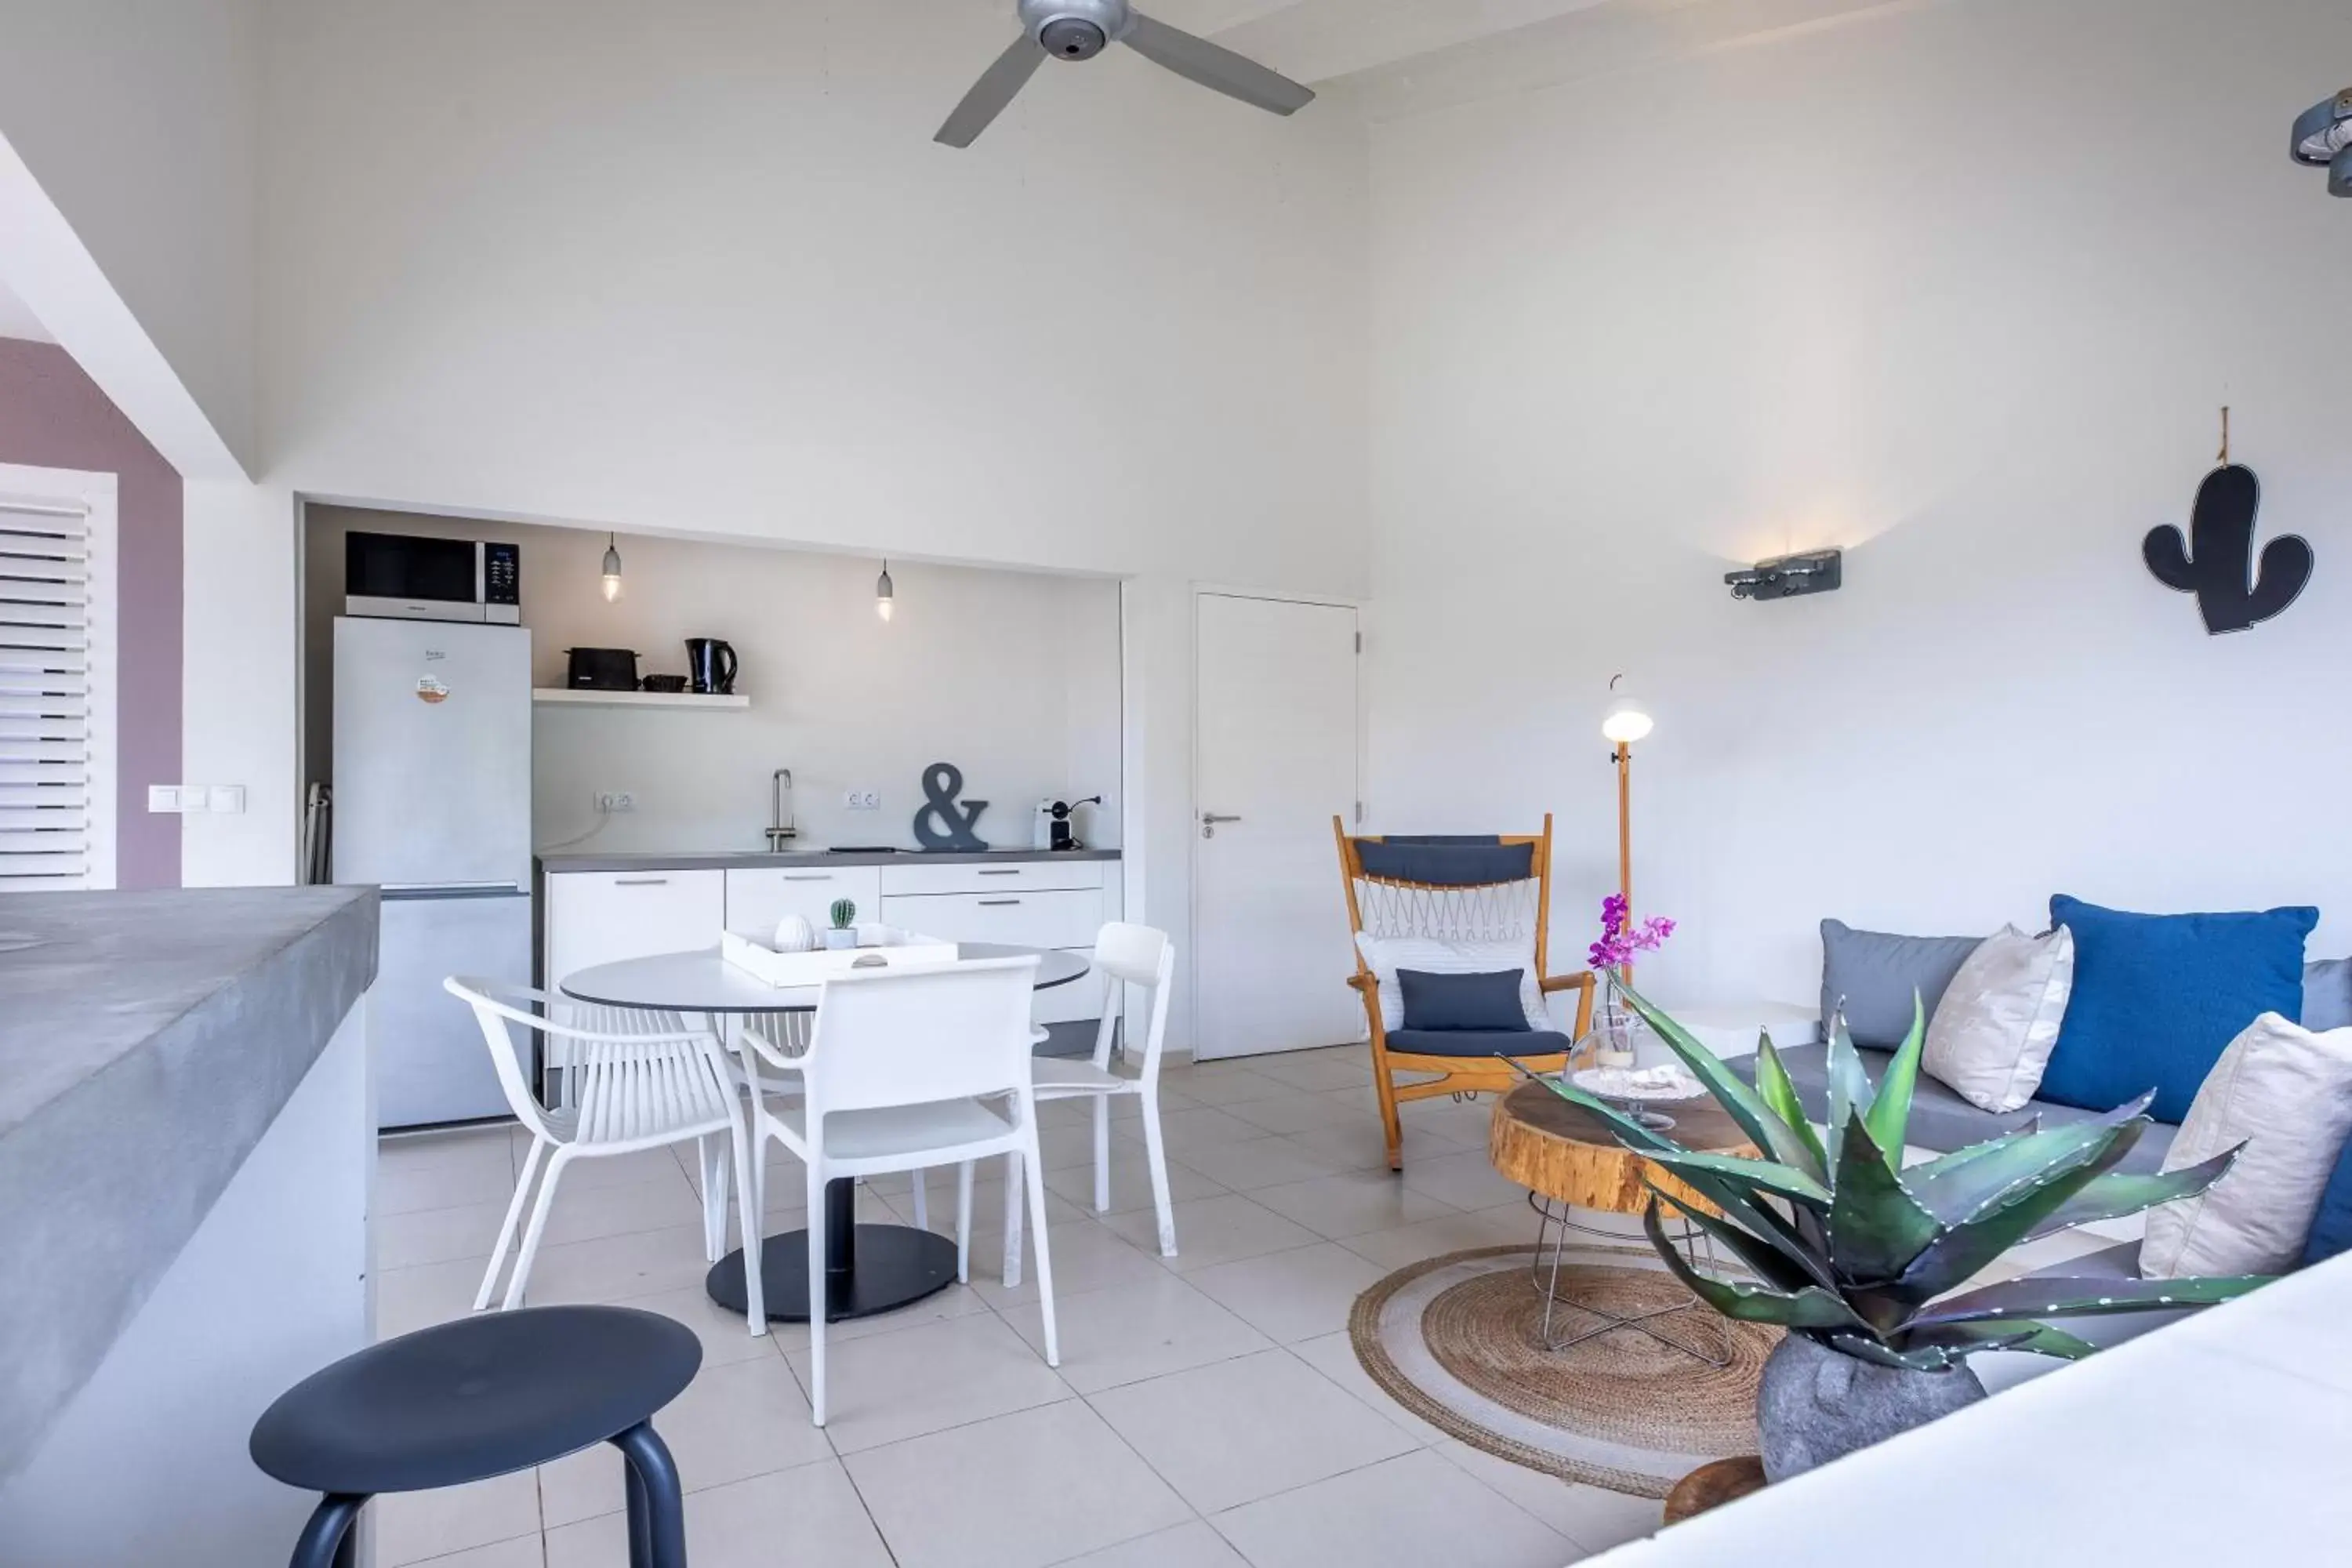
x=1208 y=1412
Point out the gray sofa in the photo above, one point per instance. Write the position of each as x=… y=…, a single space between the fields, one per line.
x=1942 y=1120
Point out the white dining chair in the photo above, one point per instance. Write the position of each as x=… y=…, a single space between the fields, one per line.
x=1124 y=955
x=904 y=1070
x=620 y=1082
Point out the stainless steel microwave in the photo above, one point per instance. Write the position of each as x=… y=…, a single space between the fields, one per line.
x=410 y=578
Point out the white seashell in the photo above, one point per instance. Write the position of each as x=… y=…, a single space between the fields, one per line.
x=794 y=934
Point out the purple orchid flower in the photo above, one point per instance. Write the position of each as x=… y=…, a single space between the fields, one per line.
x=1620 y=941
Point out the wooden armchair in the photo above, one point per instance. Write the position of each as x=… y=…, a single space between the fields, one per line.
x=1492 y=891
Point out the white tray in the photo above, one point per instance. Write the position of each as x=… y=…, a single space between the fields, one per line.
x=903 y=950
x=1610 y=1083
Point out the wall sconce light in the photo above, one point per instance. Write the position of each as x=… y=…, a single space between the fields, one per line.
x=1789 y=577
x=2323 y=139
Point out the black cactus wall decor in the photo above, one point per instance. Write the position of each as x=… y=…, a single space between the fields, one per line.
x=2216 y=561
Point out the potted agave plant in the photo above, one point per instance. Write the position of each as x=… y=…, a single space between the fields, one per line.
x=1866 y=1261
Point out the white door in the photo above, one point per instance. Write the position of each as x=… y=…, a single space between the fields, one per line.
x=1274 y=760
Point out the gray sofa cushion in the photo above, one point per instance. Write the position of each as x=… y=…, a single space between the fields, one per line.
x=2327 y=995
x=1877 y=976
x=1941 y=1119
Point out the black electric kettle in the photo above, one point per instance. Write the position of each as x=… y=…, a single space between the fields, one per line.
x=711 y=663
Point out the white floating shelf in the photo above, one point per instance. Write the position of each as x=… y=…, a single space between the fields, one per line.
x=585 y=699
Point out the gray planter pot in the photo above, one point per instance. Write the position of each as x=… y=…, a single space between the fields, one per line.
x=1814 y=1405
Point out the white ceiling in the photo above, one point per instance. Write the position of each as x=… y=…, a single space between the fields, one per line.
x=17 y=321
x=1316 y=41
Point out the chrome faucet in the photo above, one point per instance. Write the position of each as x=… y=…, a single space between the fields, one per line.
x=781 y=830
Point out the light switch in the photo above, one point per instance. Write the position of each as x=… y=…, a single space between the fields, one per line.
x=225 y=798
x=163 y=798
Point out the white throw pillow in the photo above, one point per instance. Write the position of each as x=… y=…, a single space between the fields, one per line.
x=2286 y=1094
x=1992 y=1033
x=1387 y=954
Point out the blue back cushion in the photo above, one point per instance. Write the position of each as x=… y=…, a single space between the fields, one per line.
x=2158 y=998
x=1452 y=1002
x=2331 y=1228
x=1446 y=860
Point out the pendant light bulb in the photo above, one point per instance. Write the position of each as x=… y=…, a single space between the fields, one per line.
x=612 y=568
x=884 y=593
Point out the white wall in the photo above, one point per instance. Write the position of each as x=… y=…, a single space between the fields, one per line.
x=1010 y=676
x=700 y=268
x=1959 y=287
x=139 y=120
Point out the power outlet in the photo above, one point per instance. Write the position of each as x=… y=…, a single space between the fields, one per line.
x=862 y=799
x=610 y=801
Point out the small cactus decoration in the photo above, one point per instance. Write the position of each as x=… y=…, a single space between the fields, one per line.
x=2216 y=564
x=845 y=914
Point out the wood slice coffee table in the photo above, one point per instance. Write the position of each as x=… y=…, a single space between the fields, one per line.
x=1566 y=1158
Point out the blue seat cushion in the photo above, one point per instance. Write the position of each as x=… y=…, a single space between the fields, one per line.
x=1486 y=1003
x=2158 y=998
x=1478 y=1042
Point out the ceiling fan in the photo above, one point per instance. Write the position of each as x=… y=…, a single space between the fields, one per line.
x=1081 y=29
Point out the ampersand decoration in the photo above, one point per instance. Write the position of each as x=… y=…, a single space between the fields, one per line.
x=944 y=823
x=2216 y=561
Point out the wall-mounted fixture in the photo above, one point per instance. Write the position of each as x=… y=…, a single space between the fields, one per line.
x=612 y=568
x=884 y=600
x=1789 y=577
x=2323 y=139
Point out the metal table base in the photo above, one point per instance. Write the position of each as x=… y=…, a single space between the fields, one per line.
x=1546 y=1281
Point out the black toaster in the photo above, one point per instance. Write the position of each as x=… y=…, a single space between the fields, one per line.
x=600 y=668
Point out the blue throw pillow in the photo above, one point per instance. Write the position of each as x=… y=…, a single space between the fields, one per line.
x=2331 y=1227
x=2158 y=998
x=1457 y=1002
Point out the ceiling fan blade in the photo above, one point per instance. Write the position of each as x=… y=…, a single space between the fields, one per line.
x=1213 y=66
x=989 y=96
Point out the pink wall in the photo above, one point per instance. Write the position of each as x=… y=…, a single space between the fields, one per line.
x=54 y=417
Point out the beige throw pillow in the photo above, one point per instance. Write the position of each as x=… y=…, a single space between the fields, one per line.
x=1992 y=1033
x=2286 y=1094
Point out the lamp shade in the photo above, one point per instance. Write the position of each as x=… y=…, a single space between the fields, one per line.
x=1626 y=722
x=612 y=568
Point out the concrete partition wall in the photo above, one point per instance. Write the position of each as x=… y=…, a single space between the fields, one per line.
x=148 y=1464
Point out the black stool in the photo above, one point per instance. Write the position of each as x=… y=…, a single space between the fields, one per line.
x=480 y=1397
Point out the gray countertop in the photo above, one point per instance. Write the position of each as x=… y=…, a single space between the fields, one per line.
x=147 y=1041
x=755 y=859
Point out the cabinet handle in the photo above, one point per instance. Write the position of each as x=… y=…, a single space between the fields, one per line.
x=641 y=881
x=813 y=877
x=996 y=903
x=1008 y=871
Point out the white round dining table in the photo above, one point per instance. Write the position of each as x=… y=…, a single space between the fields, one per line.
x=869 y=1268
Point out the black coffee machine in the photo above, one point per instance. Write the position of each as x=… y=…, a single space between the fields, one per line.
x=1054 y=828
x=711 y=664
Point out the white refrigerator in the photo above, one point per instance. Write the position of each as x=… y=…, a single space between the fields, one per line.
x=432 y=793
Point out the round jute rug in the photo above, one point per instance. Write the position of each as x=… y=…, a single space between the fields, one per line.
x=1458 y=1341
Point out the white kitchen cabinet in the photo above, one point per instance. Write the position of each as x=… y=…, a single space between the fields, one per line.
x=1060 y=919
x=758 y=898
x=601 y=917
x=1052 y=901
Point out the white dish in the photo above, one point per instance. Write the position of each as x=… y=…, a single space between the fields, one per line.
x=1660 y=1083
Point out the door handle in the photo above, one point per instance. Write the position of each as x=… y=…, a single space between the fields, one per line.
x=641 y=881
x=1006 y=871
x=1209 y=820
x=817 y=877
x=996 y=903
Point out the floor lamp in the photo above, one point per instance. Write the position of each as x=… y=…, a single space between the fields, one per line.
x=1625 y=722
